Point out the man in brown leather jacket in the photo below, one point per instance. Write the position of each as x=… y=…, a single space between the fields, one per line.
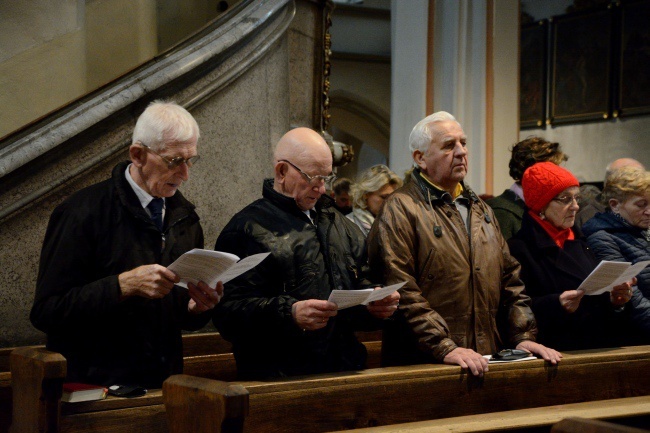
x=463 y=298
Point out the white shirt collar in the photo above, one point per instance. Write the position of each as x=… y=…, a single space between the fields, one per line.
x=144 y=197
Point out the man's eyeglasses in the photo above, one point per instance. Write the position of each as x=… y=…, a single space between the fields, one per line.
x=174 y=162
x=311 y=179
x=568 y=199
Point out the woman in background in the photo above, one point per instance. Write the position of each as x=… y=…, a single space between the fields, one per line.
x=621 y=234
x=555 y=261
x=369 y=193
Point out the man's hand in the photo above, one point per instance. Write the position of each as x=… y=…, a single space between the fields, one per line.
x=548 y=354
x=467 y=358
x=313 y=314
x=204 y=297
x=384 y=308
x=570 y=300
x=148 y=281
x=621 y=294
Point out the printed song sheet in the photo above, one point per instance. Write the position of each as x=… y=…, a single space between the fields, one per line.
x=350 y=298
x=212 y=266
x=608 y=274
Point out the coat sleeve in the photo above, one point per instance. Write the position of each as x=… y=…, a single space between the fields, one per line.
x=391 y=244
x=66 y=293
x=605 y=247
x=515 y=305
x=254 y=301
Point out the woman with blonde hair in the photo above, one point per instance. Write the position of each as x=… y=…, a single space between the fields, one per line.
x=621 y=234
x=369 y=193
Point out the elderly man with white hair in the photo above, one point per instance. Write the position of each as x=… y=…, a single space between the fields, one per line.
x=104 y=295
x=463 y=297
x=277 y=315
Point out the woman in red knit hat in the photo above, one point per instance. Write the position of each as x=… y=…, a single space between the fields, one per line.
x=554 y=262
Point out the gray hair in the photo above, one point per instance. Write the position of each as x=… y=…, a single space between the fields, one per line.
x=624 y=183
x=165 y=122
x=371 y=180
x=422 y=134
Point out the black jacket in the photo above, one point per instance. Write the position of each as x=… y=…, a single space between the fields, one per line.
x=92 y=237
x=307 y=261
x=547 y=271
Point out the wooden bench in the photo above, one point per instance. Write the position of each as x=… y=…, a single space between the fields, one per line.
x=206 y=355
x=630 y=409
x=397 y=395
x=581 y=425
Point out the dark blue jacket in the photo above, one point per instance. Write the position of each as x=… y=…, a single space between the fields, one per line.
x=612 y=238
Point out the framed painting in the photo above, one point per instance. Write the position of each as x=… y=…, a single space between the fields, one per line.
x=634 y=69
x=581 y=66
x=532 y=75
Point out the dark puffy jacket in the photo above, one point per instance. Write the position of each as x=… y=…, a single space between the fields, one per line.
x=306 y=262
x=92 y=237
x=613 y=239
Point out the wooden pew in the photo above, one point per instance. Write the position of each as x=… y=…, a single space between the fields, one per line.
x=206 y=355
x=397 y=395
x=634 y=409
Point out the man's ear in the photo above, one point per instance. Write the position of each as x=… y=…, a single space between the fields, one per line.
x=613 y=205
x=418 y=157
x=137 y=154
x=280 y=172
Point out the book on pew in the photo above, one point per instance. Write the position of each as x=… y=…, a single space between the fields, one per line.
x=609 y=274
x=212 y=266
x=74 y=392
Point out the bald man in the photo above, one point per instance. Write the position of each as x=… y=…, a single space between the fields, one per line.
x=591 y=207
x=277 y=316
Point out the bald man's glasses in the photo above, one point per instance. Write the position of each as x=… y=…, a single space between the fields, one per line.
x=313 y=180
x=174 y=162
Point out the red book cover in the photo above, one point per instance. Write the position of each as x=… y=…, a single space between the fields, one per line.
x=74 y=392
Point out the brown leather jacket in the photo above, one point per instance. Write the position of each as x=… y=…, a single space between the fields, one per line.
x=459 y=291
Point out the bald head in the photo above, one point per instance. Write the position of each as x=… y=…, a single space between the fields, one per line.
x=303 y=145
x=301 y=149
x=620 y=163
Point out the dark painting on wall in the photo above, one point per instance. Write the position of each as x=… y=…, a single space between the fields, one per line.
x=634 y=69
x=581 y=67
x=532 y=96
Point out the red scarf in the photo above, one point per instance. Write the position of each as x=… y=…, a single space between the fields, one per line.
x=558 y=236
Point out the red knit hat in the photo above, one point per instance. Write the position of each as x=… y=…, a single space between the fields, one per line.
x=543 y=181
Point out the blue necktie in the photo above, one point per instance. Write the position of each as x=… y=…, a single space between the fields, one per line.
x=155 y=206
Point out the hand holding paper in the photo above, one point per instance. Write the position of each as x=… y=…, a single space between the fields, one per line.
x=608 y=274
x=212 y=266
x=351 y=298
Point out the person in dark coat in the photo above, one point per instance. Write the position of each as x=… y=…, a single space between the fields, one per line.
x=621 y=234
x=554 y=262
x=509 y=207
x=104 y=297
x=277 y=315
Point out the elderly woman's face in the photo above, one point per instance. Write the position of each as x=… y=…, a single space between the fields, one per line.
x=635 y=210
x=375 y=200
x=561 y=210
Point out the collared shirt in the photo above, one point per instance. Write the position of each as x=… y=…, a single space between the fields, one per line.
x=144 y=197
x=457 y=198
x=518 y=190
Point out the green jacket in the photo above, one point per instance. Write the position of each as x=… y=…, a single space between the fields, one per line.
x=508 y=209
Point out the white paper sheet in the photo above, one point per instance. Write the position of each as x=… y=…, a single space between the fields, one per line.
x=608 y=274
x=350 y=298
x=212 y=266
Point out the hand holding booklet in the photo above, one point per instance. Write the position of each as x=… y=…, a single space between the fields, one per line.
x=350 y=298
x=608 y=274
x=212 y=266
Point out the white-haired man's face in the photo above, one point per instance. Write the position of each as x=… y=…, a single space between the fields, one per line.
x=445 y=160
